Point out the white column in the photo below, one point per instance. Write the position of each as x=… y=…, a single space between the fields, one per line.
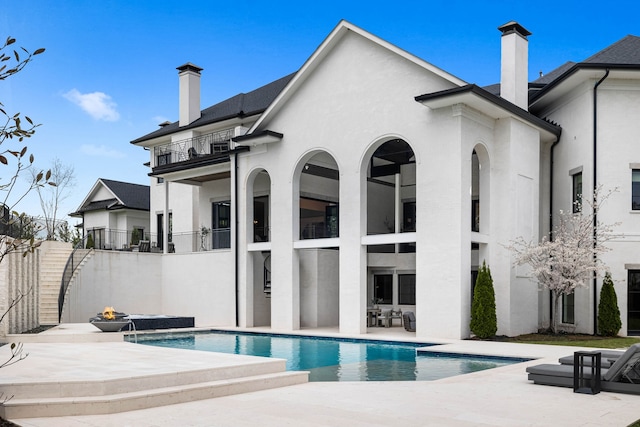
x=165 y=219
x=353 y=256
x=285 y=276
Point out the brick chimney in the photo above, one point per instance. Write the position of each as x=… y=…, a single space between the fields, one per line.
x=189 y=93
x=514 y=70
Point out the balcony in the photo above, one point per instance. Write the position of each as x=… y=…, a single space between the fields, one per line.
x=208 y=146
x=187 y=242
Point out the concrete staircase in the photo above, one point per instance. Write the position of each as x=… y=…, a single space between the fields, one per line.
x=51 y=399
x=53 y=258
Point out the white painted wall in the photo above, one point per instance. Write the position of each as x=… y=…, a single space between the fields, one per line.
x=618 y=150
x=196 y=285
x=319 y=288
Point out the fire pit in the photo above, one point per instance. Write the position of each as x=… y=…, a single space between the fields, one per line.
x=110 y=320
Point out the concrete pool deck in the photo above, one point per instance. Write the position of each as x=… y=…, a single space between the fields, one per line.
x=496 y=397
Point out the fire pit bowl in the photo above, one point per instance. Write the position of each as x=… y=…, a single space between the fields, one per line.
x=110 y=320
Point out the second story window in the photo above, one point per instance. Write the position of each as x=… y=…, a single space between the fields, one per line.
x=635 y=189
x=577 y=192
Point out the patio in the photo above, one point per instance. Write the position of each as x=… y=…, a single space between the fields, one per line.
x=497 y=397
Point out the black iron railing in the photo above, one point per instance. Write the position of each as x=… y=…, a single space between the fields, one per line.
x=192 y=148
x=78 y=254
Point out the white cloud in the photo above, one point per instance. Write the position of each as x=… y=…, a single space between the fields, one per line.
x=97 y=104
x=101 y=151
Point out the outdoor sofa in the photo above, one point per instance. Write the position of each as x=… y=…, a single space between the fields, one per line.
x=623 y=376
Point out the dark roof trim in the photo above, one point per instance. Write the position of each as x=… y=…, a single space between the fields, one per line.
x=240 y=106
x=500 y=102
x=265 y=135
x=581 y=66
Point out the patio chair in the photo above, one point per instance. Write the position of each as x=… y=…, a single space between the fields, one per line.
x=384 y=318
x=144 y=246
x=623 y=376
x=396 y=314
x=409 y=320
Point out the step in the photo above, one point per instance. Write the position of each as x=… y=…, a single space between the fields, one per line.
x=142 y=399
x=136 y=383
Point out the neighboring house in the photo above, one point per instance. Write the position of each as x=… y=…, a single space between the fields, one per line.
x=371 y=176
x=115 y=214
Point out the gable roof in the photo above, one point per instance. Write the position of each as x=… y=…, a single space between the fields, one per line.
x=340 y=31
x=125 y=196
x=240 y=105
x=623 y=55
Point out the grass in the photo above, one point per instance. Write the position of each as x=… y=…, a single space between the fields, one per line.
x=578 y=340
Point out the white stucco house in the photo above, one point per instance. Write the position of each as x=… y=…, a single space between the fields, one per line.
x=370 y=176
x=115 y=214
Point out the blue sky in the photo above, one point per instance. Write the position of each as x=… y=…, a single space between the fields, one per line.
x=108 y=75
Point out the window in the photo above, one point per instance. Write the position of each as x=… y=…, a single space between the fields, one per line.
x=383 y=288
x=633 y=303
x=475 y=192
x=409 y=216
x=261 y=219
x=159 y=180
x=318 y=219
x=407 y=289
x=568 y=308
x=577 y=192
x=221 y=227
x=635 y=189
x=160 y=229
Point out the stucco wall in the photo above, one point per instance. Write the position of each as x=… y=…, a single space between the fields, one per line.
x=198 y=285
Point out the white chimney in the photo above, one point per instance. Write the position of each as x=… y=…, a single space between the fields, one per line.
x=189 y=93
x=514 y=70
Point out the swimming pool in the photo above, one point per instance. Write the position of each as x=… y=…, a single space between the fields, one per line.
x=334 y=359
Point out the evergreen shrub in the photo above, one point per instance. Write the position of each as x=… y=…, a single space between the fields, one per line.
x=609 y=322
x=484 y=322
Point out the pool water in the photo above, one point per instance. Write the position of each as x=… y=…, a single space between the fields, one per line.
x=335 y=359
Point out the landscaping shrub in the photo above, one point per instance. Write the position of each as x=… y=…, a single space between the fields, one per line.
x=90 y=243
x=484 y=322
x=135 y=236
x=609 y=322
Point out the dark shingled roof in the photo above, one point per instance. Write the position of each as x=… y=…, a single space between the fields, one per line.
x=241 y=105
x=624 y=51
x=133 y=196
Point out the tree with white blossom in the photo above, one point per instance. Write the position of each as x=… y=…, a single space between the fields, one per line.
x=569 y=257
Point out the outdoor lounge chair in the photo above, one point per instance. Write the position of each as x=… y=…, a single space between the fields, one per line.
x=623 y=376
x=608 y=357
x=409 y=320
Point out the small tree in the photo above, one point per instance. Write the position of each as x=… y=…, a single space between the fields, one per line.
x=569 y=257
x=90 y=242
x=13 y=152
x=52 y=196
x=609 y=322
x=484 y=322
x=68 y=234
x=135 y=236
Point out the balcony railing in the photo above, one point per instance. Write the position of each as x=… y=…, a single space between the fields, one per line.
x=186 y=242
x=210 y=144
